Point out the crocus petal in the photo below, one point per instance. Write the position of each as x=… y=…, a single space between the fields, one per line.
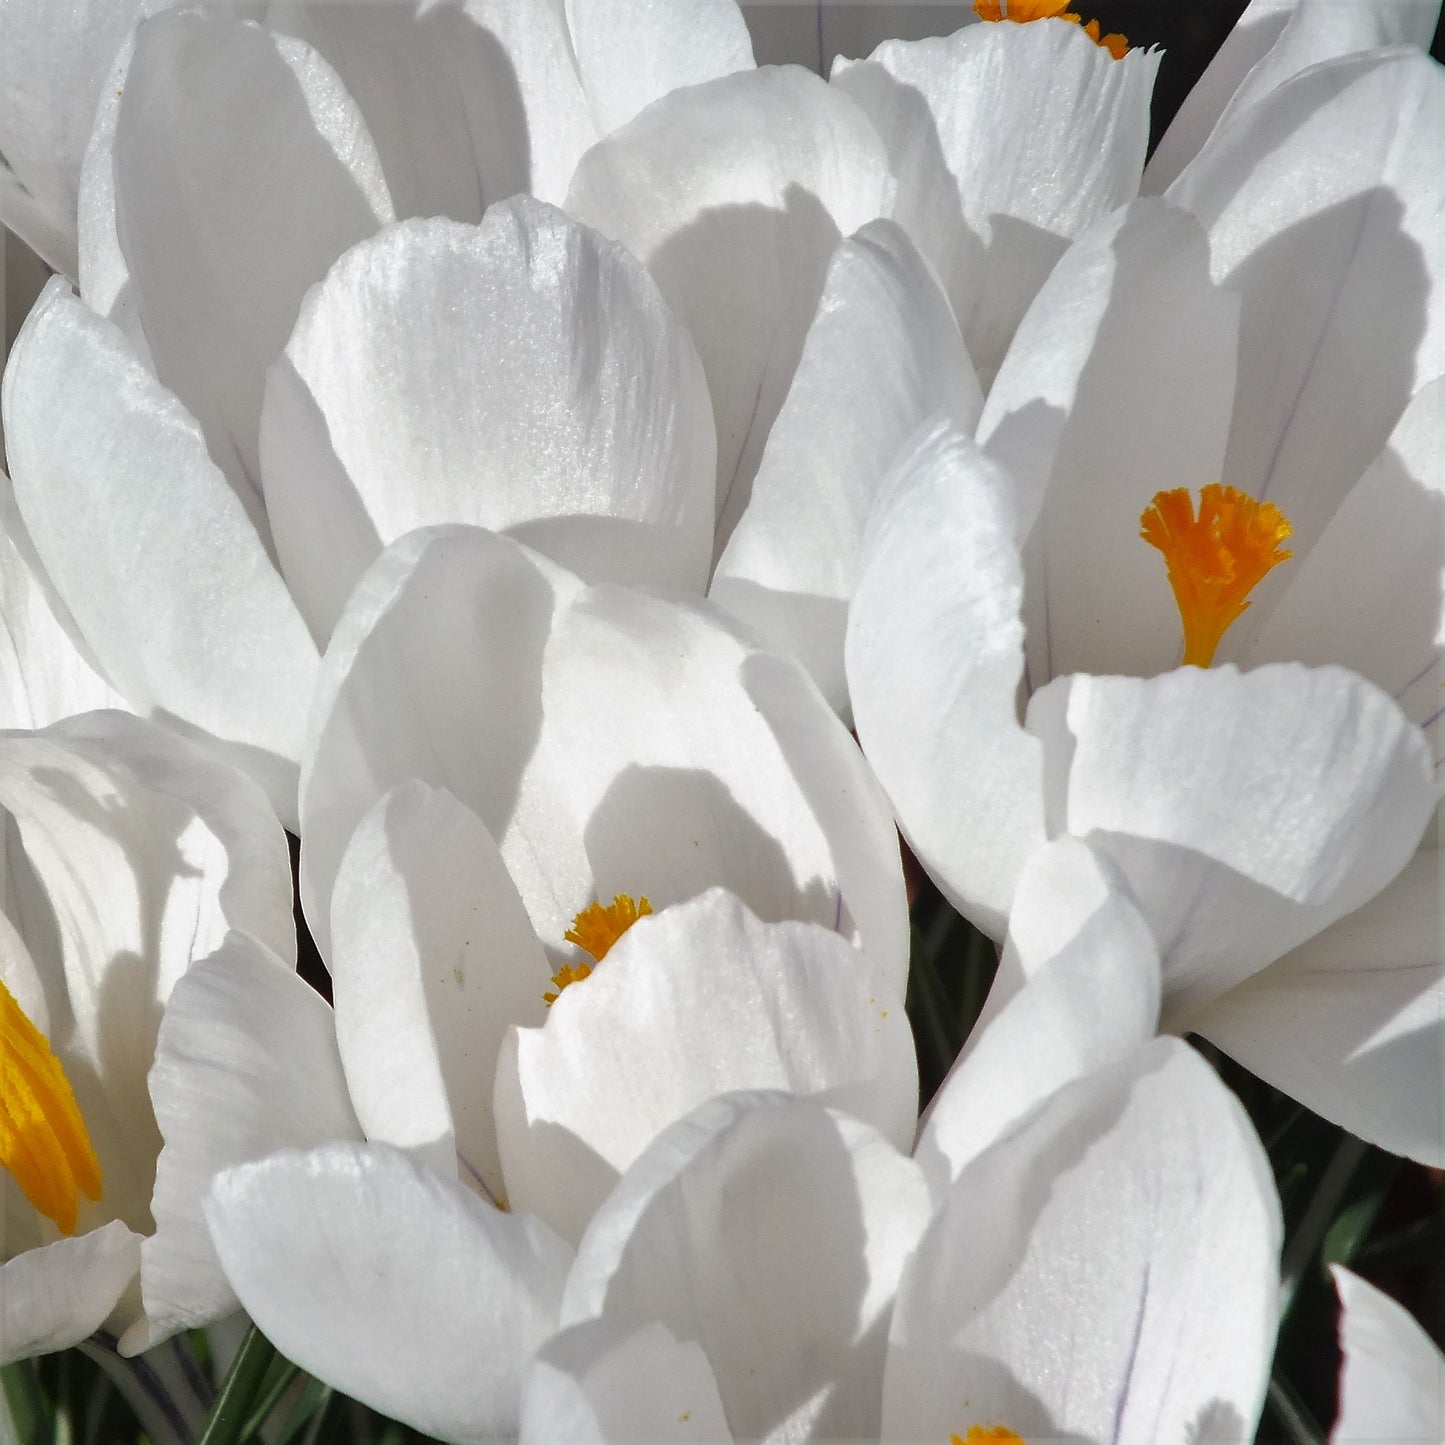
x=1011 y=1314
x=396 y=1286
x=54 y=64
x=1246 y=811
x=994 y=214
x=934 y=656
x=246 y=1064
x=468 y=104
x=1089 y=1003
x=882 y=356
x=1392 y=1384
x=1381 y=550
x=521 y=374
x=177 y=598
x=434 y=959
x=630 y=55
x=697 y=1001
x=1350 y=1023
x=1309 y=197
x=421 y=681
x=594 y=1384
x=54 y=1296
x=1272 y=41
x=220 y=240
x=772 y=1231
x=1119 y=383
x=46 y=671
x=734 y=194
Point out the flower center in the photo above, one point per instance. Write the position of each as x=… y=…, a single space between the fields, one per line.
x=594 y=931
x=43 y=1141
x=977 y=1434
x=1021 y=11
x=1215 y=560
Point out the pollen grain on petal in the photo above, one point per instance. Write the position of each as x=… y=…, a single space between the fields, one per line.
x=1023 y=11
x=1215 y=559
x=43 y=1139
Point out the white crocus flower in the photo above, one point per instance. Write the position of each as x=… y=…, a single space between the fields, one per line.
x=772 y=1270
x=1392 y=1383
x=1246 y=812
x=463 y=104
x=434 y=957
x=883 y=351
x=545 y=388
x=435 y=967
x=128 y=857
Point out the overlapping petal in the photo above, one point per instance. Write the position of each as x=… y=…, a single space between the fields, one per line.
x=176 y=597
x=697 y=1001
x=1011 y=1314
x=399 y=1287
x=883 y=355
x=734 y=194
x=522 y=375
x=994 y=204
x=772 y=1231
x=434 y=958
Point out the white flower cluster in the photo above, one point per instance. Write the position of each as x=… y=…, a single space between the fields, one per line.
x=511 y=445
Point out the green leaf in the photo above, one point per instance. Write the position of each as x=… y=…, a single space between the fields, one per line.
x=241 y=1393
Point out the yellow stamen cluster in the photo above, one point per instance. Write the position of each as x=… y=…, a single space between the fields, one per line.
x=978 y=1434
x=1216 y=559
x=1022 y=11
x=594 y=931
x=43 y=1139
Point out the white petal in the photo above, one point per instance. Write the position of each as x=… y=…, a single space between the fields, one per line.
x=246 y=1064
x=993 y=202
x=53 y=1297
x=1350 y=1023
x=883 y=355
x=46 y=671
x=54 y=65
x=396 y=1286
x=175 y=596
x=468 y=104
x=935 y=656
x=1011 y=1313
x=772 y=1232
x=1272 y=41
x=1370 y=594
x=630 y=54
x=697 y=1001
x=522 y=374
x=1309 y=197
x=1120 y=383
x=221 y=240
x=1246 y=811
x=1392 y=1384
x=734 y=194
x=596 y=1383
x=813 y=35
x=1093 y=1000
x=434 y=960
x=420 y=681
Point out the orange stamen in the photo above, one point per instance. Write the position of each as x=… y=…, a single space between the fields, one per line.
x=1214 y=560
x=594 y=930
x=1023 y=11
